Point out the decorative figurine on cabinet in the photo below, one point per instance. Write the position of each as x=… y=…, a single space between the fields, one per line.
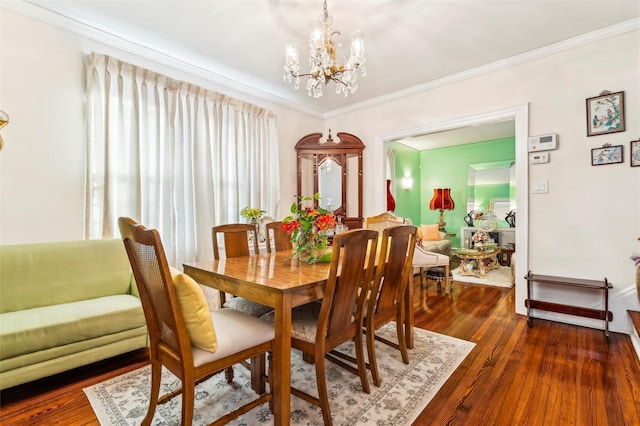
x=511 y=218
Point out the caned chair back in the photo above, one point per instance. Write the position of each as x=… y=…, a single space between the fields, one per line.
x=277 y=238
x=236 y=237
x=170 y=345
x=350 y=276
x=167 y=332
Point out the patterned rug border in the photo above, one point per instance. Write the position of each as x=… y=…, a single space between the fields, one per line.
x=405 y=390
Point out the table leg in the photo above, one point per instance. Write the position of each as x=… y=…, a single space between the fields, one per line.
x=281 y=370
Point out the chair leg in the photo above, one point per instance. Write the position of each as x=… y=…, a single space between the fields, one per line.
x=323 y=396
x=371 y=353
x=257 y=374
x=402 y=343
x=188 y=399
x=362 y=365
x=229 y=374
x=222 y=297
x=270 y=380
x=156 y=375
x=447 y=281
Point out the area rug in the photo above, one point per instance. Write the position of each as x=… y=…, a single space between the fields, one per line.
x=405 y=390
x=500 y=277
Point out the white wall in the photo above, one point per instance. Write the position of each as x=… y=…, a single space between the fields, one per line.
x=42 y=163
x=586 y=226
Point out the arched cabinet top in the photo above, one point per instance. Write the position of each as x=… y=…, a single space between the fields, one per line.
x=346 y=143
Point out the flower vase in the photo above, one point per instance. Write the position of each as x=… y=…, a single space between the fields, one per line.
x=255 y=223
x=391 y=202
x=307 y=254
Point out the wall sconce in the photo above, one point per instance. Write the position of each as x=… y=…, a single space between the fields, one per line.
x=441 y=201
x=4 y=120
x=406 y=182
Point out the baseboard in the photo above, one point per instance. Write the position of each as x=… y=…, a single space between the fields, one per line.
x=634 y=330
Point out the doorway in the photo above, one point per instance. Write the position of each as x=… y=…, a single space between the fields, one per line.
x=519 y=115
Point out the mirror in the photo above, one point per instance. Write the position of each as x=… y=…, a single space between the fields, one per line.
x=333 y=168
x=330 y=184
x=491 y=188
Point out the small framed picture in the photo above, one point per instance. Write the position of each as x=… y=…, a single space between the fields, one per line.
x=635 y=153
x=605 y=113
x=606 y=155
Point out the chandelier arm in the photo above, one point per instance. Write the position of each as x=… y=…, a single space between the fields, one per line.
x=336 y=80
x=308 y=74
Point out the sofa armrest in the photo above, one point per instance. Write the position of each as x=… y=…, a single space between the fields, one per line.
x=133 y=288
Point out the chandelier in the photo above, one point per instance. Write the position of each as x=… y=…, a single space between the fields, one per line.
x=322 y=59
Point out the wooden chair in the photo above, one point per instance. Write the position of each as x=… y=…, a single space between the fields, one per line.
x=169 y=339
x=276 y=237
x=387 y=299
x=237 y=238
x=318 y=328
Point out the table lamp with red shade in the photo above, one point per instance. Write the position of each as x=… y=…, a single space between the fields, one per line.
x=441 y=201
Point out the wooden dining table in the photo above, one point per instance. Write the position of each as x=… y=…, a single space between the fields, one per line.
x=277 y=281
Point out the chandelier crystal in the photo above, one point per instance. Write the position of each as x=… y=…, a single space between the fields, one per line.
x=322 y=59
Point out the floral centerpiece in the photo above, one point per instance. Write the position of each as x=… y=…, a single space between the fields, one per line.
x=308 y=228
x=252 y=213
x=480 y=238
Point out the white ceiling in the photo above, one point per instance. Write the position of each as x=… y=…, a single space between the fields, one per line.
x=409 y=44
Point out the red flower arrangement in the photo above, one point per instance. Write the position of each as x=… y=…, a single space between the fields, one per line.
x=308 y=228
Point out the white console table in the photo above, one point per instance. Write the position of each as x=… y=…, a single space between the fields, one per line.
x=505 y=235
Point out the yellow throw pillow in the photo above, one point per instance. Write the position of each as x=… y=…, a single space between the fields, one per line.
x=195 y=311
x=430 y=232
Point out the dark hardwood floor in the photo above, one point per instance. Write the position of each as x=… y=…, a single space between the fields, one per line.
x=550 y=374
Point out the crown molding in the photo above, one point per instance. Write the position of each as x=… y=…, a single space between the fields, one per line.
x=114 y=40
x=604 y=33
x=216 y=76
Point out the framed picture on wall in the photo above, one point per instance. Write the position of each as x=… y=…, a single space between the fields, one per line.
x=606 y=155
x=635 y=153
x=605 y=113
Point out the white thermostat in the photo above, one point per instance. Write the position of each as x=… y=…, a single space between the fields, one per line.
x=538 y=157
x=543 y=142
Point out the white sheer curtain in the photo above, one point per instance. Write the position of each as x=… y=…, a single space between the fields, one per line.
x=173 y=156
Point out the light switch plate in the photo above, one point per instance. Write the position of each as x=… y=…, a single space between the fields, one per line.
x=540 y=187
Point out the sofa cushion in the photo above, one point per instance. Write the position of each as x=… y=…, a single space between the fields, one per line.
x=37 y=329
x=430 y=232
x=195 y=311
x=62 y=272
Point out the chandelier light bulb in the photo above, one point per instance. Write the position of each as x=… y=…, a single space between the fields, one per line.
x=324 y=67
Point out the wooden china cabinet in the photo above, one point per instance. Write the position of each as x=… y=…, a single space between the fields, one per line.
x=332 y=168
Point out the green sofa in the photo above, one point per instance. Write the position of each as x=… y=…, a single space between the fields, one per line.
x=64 y=305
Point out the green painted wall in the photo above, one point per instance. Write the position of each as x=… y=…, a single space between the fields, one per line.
x=443 y=168
x=407 y=164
